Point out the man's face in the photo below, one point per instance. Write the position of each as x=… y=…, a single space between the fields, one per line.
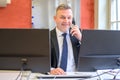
x=63 y=19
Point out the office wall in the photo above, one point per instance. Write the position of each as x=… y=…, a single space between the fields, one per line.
x=87 y=14
x=16 y=15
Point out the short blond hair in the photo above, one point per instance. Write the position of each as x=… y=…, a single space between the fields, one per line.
x=63 y=7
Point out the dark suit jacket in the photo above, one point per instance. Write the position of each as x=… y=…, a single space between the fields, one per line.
x=55 y=48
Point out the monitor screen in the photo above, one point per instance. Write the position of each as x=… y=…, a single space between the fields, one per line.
x=100 y=49
x=26 y=49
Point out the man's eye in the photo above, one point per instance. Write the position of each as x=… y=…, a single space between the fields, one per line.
x=62 y=17
x=65 y=17
x=69 y=17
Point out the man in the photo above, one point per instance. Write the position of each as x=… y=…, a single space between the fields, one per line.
x=63 y=19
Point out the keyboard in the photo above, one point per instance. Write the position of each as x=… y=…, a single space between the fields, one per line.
x=70 y=75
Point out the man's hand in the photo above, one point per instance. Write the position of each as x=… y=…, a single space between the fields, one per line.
x=57 y=71
x=75 y=31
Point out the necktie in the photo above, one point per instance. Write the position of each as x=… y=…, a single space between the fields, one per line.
x=64 y=56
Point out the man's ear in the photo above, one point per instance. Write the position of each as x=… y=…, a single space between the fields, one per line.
x=54 y=18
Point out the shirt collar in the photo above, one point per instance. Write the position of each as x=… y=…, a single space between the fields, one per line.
x=59 y=33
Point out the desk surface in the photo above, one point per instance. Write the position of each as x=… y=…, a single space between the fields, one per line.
x=28 y=75
x=14 y=75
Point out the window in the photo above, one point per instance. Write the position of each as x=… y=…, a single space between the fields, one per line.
x=107 y=14
x=102 y=14
x=115 y=15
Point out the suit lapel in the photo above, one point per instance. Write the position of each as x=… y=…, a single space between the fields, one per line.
x=75 y=53
x=56 y=44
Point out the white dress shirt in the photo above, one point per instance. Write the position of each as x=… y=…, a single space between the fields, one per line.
x=70 y=61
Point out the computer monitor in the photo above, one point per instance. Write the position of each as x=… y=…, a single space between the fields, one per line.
x=26 y=49
x=100 y=49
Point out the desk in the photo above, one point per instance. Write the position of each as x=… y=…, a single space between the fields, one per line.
x=14 y=75
x=28 y=75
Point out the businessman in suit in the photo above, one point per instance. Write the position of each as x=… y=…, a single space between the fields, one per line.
x=63 y=20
